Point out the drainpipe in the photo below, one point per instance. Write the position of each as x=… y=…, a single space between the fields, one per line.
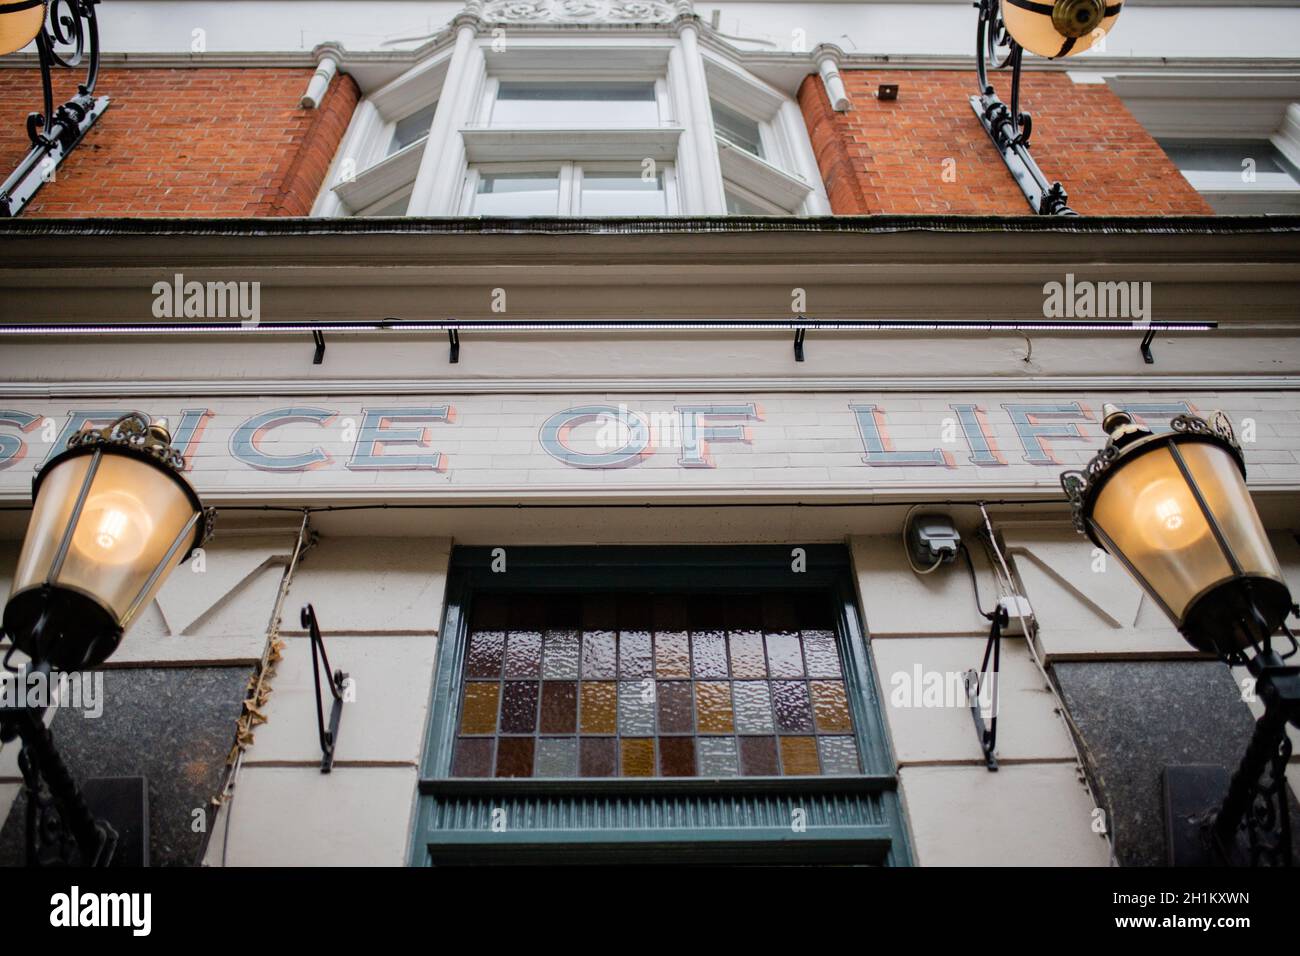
x=326 y=67
x=828 y=56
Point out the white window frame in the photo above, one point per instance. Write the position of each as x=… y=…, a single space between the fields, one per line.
x=569 y=199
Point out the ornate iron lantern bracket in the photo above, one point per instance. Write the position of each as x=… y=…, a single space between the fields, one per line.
x=1008 y=127
x=69 y=39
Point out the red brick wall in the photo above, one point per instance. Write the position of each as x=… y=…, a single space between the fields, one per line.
x=888 y=156
x=187 y=142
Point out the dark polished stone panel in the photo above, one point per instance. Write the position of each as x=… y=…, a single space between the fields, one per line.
x=173 y=726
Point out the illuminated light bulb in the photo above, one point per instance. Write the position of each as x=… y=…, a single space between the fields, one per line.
x=1175 y=522
x=114 y=528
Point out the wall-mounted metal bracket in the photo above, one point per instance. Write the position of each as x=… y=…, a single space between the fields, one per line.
x=1146 y=346
x=798 y=344
x=982 y=682
x=337 y=681
x=318 y=337
x=453 y=338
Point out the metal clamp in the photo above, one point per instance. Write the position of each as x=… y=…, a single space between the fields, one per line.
x=337 y=680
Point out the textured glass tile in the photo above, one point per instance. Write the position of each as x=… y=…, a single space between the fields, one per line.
x=784 y=656
x=799 y=756
x=634 y=657
x=713 y=707
x=559 y=707
x=672 y=654
x=677 y=756
x=636 y=707
x=747 y=658
x=790 y=701
x=638 y=757
x=675 y=712
x=839 y=755
x=524 y=654
x=717 y=756
x=472 y=757
x=758 y=757
x=598 y=757
x=599 y=707
x=486 y=649
x=599 y=655
x=753 y=707
x=709 y=650
x=514 y=757
x=560 y=655
x=478 y=714
x=519 y=708
x=821 y=653
x=830 y=706
x=557 y=757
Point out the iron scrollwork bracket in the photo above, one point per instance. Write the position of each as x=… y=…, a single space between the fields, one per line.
x=337 y=684
x=68 y=40
x=1008 y=126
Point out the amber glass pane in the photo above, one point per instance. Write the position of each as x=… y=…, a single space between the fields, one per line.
x=1224 y=488
x=747 y=685
x=1147 y=508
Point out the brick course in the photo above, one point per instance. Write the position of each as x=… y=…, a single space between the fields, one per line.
x=186 y=142
x=888 y=156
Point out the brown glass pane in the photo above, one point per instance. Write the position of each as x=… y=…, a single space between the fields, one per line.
x=709 y=651
x=486 y=651
x=529 y=612
x=490 y=615
x=559 y=707
x=672 y=654
x=677 y=756
x=744 y=613
x=830 y=706
x=599 y=707
x=758 y=757
x=599 y=612
x=472 y=757
x=790 y=701
x=524 y=654
x=635 y=612
x=713 y=707
x=514 y=757
x=599 y=655
x=634 y=655
x=784 y=655
x=638 y=757
x=675 y=715
x=747 y=659
x=799 y=756
x=779 y=612
x=478 y=713
x=519 y=707
x=670 y=613
x=822 y=654
x=597 y=756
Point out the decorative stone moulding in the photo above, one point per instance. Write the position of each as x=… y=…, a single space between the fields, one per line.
x=578 y=11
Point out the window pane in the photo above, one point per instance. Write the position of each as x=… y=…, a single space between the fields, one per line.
x=622 y=194
x=740 y=206
x=660 y=685
x=575 y=104
x=412 y=129
x=1223 y=157
x=518 y=194
x=737 y=130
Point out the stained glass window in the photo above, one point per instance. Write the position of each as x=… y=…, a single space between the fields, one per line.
x=643 y=685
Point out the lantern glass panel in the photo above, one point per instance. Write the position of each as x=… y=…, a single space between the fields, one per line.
x=1224 y=489
x=133 y=514
x=1147 y=509
x=19 y=28
x=1035 y=31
